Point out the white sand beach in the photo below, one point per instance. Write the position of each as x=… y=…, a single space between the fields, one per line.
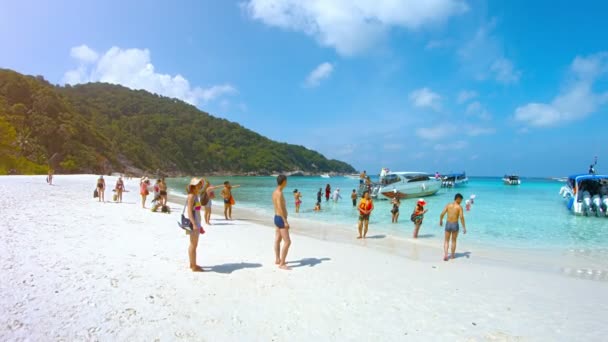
x=76 y=269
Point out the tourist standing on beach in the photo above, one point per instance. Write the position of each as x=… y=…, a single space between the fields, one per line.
x=418 y=216
x=365 y=209
x=193 y=206
x=101 y=187
x=327 y=192
x=207 y=195
x=395 y=210
x=143 y=190
x=353 y=196
x=280 y=221
x=297 y=196
x=454 y=211
x=163 y=192
x=49 y=178
x=119 y=188
x=336 y=195
x=228 y=199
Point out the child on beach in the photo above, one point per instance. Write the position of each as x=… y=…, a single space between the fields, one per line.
x=193 y=207
x=365 y=209
x=298 y=198
x=280 y=221
x=454 y=212
x=395 y=210
x=418 y=216
x=353 y=196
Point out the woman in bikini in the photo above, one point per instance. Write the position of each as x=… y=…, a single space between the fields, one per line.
x=101 y=187
x=207 y=195
x=193 y=207
x=119 y=188
x=395 y=210
x=163 y=192
x=418 y=216
x=297 y=196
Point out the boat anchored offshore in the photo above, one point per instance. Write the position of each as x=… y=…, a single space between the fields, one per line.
x=586 y=194
x=403 y=185
x=511 y=180
x=453 y=180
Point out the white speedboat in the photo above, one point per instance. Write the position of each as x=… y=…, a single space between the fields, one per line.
x=453 y=180
x=325 y=175
x=353 y=176
x=586 y=194
x=404 y=185
x=511 y=180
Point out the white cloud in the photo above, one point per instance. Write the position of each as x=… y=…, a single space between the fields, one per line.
x=483 y=56
x=466 y=95
x=473 y=130
x=475 y=108
x=321 y=72
x=576 y=101
x=424 y=97
x=133 y=68
x=84 y=54
x=457 y=145
x=435 y=133
x=351 y=26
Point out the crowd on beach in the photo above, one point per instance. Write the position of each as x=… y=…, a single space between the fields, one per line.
x=200 y=193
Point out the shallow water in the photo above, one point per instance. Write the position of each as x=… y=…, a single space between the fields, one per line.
x=529 y=216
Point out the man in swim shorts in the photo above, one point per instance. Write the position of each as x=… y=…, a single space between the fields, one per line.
x=280 y=221
x=454 y=211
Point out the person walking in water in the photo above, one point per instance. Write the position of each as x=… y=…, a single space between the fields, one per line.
x=193 y=207
x=353 y=197
x=228 y=199
x=297 y=196
x=280 y=221
x=395 y=210
x=119 y=187
x=327 y=192
x=319 y=197
x=101 y=188
x=337 y=195
x=365 y=209
x=418 y=216
x=454 y=212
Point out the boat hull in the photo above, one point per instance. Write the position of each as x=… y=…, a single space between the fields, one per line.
x=410 y=190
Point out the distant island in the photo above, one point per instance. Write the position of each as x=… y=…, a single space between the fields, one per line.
x=103 y=128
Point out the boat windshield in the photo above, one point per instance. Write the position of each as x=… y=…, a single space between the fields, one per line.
x=390 y=179
x=417 y=178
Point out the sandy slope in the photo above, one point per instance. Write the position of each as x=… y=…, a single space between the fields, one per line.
x=76 y=269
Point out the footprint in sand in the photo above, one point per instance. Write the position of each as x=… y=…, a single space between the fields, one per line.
x=114 y=282
x=150 y=299
x=14 y=325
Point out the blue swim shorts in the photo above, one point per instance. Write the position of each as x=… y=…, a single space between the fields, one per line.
x=451 y=227
x=278 y=221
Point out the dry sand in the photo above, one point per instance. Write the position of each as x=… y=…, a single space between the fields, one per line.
x=76 y=269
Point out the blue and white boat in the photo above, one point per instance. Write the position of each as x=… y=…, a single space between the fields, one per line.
x=454 y=180
x=586 y=194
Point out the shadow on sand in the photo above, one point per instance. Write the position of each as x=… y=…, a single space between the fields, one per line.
x=310 y=262
x=462 y=255
x=423 y=236
x=376 y=237
x=229 y=268
x=227 y=223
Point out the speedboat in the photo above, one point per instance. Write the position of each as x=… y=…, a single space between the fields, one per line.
x=353 y=176
x=511 y=180
x=453 y=180
x=325 y=175
x=403 y=185
x=586 y=194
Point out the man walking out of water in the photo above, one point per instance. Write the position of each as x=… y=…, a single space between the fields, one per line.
x=280 y=221
x=454 y=211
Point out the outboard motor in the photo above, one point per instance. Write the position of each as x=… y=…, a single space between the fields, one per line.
x=595 y=204
x=604 y=205
x=586 y=203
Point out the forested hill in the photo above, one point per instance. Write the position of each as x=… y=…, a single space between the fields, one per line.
x=103 y=128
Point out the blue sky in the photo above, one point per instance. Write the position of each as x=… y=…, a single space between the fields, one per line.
x=484 y=86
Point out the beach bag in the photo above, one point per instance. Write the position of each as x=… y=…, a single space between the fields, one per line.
x=115 y=197
x=232 y=201
x=185 y=223
x=413 y=217
x=95 y=194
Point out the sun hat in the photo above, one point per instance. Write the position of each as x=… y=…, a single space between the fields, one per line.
x=421 y=202
x=195 y=181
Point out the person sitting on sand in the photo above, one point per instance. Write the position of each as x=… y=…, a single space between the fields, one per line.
x=418 y=216
x=119 y=188
x=101 y=187
x=280 y=221
x=353 y=196
x=365 y=209
x=193 y=207
x=454 y=211
x=228 y=199
x=395 y=210
x=143 y=191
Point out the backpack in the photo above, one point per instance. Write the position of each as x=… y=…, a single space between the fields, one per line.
x=204 y=198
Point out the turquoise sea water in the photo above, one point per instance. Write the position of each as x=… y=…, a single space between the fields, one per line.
x=530 y=216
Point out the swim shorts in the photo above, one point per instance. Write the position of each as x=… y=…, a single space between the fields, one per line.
x=451 y=227
x=278 y=221
x=364 y=217
x=226 y=200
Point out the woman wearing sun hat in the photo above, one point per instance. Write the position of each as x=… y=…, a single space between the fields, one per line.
x=418 y=216
x=193 y=207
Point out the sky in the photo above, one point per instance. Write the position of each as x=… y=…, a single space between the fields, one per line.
x=486 y=87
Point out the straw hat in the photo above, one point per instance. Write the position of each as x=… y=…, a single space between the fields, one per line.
x=195 y=181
